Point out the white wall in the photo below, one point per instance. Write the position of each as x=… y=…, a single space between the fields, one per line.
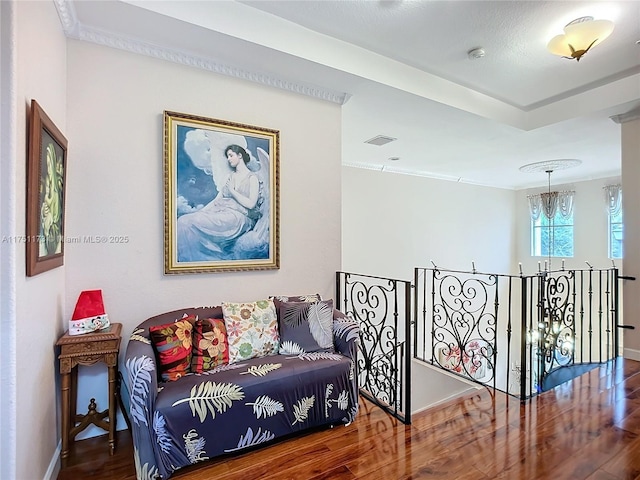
x=392 y=223
x=40 y=319
x=115 y=186
x=8 y=250
x=630 y=133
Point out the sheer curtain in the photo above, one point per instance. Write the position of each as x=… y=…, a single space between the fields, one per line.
x=549 y=203
x=613 y=196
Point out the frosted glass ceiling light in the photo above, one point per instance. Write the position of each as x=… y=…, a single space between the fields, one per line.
x=579 y=36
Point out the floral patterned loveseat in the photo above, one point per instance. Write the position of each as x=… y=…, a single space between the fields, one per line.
x=233 y=406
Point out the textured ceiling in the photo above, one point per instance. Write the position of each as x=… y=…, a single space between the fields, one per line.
x=402 y=70
x=435 y=36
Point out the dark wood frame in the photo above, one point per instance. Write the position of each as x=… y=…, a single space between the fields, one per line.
x=42 y=129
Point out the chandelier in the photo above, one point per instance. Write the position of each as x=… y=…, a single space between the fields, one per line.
x=579 y=37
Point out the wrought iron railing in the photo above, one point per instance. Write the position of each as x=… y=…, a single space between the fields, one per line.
x=518 y=334
x=382 y=308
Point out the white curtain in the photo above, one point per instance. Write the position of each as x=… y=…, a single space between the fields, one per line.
x=549 y=203
x=613 y=196
x=535 y=206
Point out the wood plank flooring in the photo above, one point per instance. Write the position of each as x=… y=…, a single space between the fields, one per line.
x=588 y=428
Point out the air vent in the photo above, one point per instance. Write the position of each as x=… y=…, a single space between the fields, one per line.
x=380 y=140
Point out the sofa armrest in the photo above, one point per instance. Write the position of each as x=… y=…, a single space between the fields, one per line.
x=346 y=338
x=141 y=377
x=346 y=334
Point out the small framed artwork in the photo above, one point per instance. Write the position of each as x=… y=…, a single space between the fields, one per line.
x=46 y=174
x=221 y=188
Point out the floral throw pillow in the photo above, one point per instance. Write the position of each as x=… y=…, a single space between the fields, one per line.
x=306 y=327
x=252 y=329
x=172 y=341
x=210 y=346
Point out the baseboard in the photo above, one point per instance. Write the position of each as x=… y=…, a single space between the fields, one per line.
x=450 y=397
x=455 y=376
x=54 y=464
x=631 y=354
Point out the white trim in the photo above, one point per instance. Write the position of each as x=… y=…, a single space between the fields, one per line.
x=631 y=354
x=471 y=386
x=67 y=14
x=54 y=465
x=417 y=173
x=443 y=371
x=626 y=117
x=76 y=30
x=440 y=402
x=8 y=251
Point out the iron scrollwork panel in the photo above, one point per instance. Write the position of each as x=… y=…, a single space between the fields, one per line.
x=464 y=325
x=374 y=307
x=557 y=323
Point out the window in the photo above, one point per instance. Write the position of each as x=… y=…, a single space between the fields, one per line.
x=613 y=196
x=616 y=233
x=552 y=238
x=551 y=224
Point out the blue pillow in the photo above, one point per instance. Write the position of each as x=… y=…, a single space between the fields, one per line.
x=306 y=327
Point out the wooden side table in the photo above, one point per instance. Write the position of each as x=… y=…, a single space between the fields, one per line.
x=88 y=349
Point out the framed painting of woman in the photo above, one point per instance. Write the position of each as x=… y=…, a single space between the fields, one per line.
x=221 y=195
x=46 y=173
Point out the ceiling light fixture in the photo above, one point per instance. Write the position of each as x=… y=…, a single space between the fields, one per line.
x=579 y=37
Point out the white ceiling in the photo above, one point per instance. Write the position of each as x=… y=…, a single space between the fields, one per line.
x=400 y=68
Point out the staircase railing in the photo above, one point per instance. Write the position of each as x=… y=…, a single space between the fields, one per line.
x=520 y=334
x=382 y=307
x=517 y=334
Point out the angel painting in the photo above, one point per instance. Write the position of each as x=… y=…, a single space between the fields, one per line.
x=223 y=197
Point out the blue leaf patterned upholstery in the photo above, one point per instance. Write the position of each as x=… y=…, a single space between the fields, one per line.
x=233 y=406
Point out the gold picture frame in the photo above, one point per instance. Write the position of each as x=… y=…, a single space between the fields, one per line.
x=221 y=195
x=46 y=182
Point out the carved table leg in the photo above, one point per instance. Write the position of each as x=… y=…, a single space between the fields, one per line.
x=66 y=409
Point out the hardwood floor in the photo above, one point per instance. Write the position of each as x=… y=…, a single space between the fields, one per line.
x=587 y=428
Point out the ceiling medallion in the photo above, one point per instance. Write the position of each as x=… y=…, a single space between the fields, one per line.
x=551 y=165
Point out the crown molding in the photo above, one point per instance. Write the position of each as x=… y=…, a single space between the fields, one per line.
x=76 y=30
x=67 y=14
x=626 y=117
x=419 y=173
x=612 y=176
